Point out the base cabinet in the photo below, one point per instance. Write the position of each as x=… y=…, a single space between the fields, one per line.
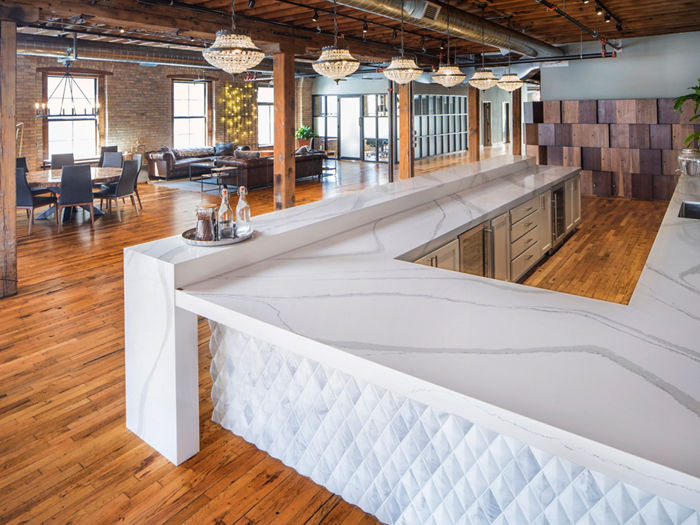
x=508 y=246
x=445 y=257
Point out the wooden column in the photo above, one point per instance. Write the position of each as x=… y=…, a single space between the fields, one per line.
x=406 y=131
x=8 y=196
x=517 y=122
x=473 y=116
x=284 y=93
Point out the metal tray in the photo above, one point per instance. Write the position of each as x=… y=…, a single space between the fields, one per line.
x=188 y=237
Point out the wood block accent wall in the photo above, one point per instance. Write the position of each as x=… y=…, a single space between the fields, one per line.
x=625 y=148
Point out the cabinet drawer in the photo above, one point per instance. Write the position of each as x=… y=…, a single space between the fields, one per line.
x=523 y=226
x=524 y=262
x=524 y=210
x=524 y=242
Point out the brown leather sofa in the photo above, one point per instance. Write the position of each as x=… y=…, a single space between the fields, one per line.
x=171 y=163
x=258 y=172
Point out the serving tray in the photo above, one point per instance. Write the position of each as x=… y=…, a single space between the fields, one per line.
x=188 y=237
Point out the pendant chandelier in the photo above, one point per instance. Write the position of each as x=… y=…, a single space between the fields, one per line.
x=233 y=51
x=483 y=78
x=335 y=62
x=510 y=81
x=79 y=105
x=449 y=75
x=402 y=70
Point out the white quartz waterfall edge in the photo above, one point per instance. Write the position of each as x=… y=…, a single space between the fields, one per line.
x=404 y=461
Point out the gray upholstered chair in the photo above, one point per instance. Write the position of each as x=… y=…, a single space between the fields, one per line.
x=75 y=190
x=112 y=159
x=103 y=149
x=60 y=160
x=123 y=188
x=27 y=200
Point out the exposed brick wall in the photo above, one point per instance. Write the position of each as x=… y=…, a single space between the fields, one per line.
x=304 y=100
x=138 y=105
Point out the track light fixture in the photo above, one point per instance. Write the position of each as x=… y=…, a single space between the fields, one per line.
x=251 y=3
x=598 y=10
x=315 y=17
x=394 y=35
x=619 y=27
x=586 y=2
x=364 y=26
x=607 y=18
x=442 y=44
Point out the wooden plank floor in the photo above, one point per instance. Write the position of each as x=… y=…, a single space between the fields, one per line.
x=65 y=454
x=605 y=257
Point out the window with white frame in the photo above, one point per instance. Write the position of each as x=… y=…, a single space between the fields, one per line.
x=189 y=114
x=71 y=129
x=265 y=116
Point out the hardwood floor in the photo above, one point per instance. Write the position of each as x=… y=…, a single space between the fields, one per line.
x=605 y=257
x=65 y=454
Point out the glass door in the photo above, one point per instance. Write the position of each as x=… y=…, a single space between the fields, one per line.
x=350 y=127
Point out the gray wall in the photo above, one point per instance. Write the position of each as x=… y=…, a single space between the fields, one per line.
x=497 y=97
x=650 y=67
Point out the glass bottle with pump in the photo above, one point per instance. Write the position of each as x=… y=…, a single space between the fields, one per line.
x=243 y=226
x=226 y=226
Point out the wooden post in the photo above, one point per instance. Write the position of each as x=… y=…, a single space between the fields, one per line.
x=8 y=195
x=474 y=143
x=406 y=131
x=517 y=122
x=284 y=93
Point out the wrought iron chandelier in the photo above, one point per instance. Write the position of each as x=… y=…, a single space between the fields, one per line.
x=335 y=62
x=483 y=78
x=449 y=75
x=233 y=51
x=510 y=81
x=402 y=70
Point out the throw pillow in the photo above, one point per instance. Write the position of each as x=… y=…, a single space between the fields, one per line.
x=224 y=148
x=304 y=150
x=240 y=154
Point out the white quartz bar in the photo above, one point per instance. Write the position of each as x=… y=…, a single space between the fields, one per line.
x=614 y=388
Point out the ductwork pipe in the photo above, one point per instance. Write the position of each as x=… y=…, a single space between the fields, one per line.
x=462 y=25
x=47 y=46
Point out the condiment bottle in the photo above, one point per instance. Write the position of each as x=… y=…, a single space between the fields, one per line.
x=243 y=226
x=225 y=218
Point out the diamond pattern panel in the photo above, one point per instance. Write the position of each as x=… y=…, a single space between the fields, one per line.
x=402 y=461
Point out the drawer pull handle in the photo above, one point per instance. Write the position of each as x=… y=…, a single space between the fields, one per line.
x=529 y=240
x=530 y=256
x=528 y=224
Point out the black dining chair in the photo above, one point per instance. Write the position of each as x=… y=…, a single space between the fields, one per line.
x=75 y=190
x=112 y=159
x=124 y=187
x=60 y=160
x=104 y=149
x=139 y=159
x=22 y=163
x=27 y=200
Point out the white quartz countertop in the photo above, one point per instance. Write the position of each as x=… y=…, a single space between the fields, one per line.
x=614 y=387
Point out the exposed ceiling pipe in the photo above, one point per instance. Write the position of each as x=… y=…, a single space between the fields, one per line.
x=462 y=24
x=47 y=46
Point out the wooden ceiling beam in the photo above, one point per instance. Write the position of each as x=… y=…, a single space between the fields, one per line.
x=195 y=23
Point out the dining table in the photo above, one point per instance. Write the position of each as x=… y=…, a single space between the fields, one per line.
x=52 y=179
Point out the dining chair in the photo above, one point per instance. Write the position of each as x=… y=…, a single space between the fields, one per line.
x=60 y=160
x=104 y=149
x=22 y=163
x=27 y=200
x=75 y=190
x=123 y=188
x=112 y=159
x=139 y=159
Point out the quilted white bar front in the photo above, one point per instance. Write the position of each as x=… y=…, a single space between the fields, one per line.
x=401 y=460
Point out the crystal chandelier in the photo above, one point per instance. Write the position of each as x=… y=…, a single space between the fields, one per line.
x=510 y=81
x=449 y=75
x=483 y=78
x=233 y=51
x=402 y=70
x=335 y=62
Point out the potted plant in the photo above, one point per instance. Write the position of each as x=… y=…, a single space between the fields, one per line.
x=689 y=159
x=304 y=135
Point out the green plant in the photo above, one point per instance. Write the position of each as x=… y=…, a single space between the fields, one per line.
x=678 y=106
x=304 y=133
